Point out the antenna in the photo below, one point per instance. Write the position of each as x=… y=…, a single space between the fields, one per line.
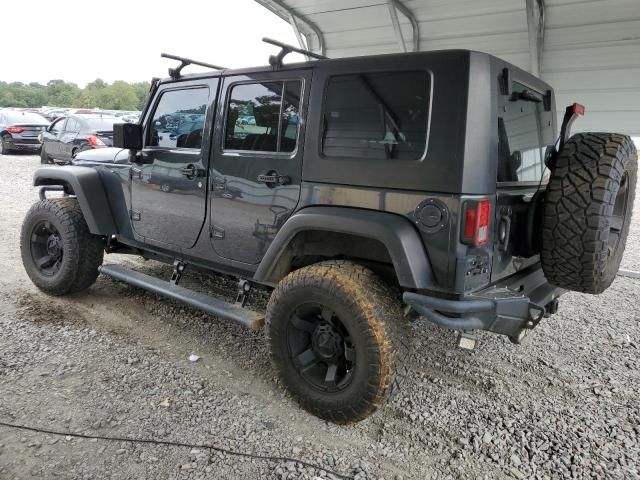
x=276 y=60
x=174 y=73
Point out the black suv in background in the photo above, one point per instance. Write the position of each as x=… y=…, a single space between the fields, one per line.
x=360 y=191
x=20 y=130
x=68 y=136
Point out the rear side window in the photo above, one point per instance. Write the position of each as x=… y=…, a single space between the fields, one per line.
x=72 y=126
x=263 y=117
x=522 y=129
x=178 y=120
x=376 y=115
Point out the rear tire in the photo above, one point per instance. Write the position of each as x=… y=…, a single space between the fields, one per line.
x=59 y=253
x=4 y=150
x=338 y=339
x=587 y=210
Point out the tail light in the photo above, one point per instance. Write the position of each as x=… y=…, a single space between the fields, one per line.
x=15 y=129
x=95 y=141
x=477 y=219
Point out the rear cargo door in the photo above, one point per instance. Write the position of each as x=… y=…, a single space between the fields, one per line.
x=524 y=131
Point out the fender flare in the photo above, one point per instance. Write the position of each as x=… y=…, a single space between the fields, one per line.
x=395 y=232
x=85 y=184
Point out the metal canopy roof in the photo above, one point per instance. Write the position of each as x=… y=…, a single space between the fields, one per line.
x=588 y=50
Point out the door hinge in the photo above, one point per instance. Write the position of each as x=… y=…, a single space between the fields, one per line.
x=135 y=216
x=216 y=232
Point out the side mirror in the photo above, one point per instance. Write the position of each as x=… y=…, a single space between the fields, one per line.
x=127 y=135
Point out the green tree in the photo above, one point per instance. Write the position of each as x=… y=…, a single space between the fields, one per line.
x=57 y=93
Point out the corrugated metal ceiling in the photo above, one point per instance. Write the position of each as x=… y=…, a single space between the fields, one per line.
x=591 y=49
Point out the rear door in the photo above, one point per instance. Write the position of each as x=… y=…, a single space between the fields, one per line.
x=257 y=167
x=67 y=138
x=169 y=186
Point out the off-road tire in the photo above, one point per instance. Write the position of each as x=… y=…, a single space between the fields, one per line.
x=578 y=211
x=44 y=158
x=371 y=311
x=82 y=252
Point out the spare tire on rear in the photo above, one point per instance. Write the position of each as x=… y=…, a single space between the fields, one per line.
x=587 y=210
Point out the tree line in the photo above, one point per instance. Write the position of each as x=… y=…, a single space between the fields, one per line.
x=118 y=95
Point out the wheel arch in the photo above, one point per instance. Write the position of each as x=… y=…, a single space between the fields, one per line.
x=85 y=184
x=380 y=236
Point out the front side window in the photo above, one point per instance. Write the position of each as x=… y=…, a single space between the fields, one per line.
x=376 y=115
x=263 y=117
x=57 y=125
x=178 y=120
x=521 y=145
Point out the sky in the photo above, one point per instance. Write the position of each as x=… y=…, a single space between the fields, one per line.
x=81 y=40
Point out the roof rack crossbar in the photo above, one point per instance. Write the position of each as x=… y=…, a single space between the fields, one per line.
x=276 y=60
x=175 y=72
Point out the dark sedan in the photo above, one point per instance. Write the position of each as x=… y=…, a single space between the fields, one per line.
x=66 y=137
x=20 y=130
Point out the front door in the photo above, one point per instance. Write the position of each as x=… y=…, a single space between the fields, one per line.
x=51 y=137
x=257 y=167
x=169 y=184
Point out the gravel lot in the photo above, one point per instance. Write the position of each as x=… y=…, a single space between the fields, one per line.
x=114 y=361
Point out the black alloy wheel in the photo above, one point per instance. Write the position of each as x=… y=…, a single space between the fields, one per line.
x=320 y=347
x=47 y=248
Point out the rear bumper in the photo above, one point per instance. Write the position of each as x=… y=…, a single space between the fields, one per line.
x=23 y=144
x=509 y=307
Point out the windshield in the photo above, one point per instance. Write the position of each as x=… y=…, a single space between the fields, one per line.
x=25 y=117
x=102 y=123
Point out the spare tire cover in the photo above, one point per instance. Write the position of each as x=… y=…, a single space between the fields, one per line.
x=587 y=210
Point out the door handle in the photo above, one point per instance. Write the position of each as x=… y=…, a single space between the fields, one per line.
x=274 y=179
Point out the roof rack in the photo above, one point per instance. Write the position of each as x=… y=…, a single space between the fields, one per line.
x=276 y=60
x=174 y=73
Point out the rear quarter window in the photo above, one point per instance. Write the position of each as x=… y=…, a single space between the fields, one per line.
x=381 y=115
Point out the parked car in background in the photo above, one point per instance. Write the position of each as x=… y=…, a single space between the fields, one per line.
x=19 y=130
x=68 y=136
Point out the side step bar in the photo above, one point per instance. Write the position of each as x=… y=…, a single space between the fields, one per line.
x=200 y=301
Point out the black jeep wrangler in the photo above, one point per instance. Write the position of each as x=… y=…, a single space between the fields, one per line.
x=362 y=191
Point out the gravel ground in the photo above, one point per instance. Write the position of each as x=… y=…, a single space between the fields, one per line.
x=114 y=361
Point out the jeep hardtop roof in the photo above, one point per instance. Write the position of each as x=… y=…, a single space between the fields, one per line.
x=461 y=152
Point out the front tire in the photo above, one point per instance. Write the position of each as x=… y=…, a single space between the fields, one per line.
x=59 y=253
x=338 y=339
